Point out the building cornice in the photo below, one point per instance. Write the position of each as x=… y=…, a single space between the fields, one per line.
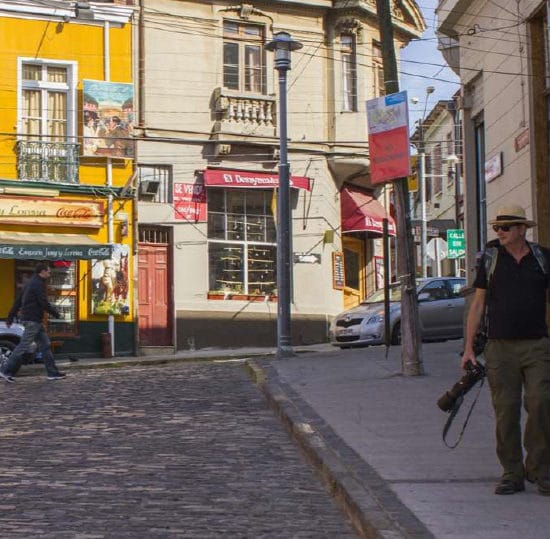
x=66 y=11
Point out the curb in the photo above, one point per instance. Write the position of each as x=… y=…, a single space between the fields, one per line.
x=36 y=369
x=373 y=508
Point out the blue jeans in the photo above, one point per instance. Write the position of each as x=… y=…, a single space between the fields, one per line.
x=35 y=332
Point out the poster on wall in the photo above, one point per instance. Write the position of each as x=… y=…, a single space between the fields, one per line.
x=190 y=202
x=379 y=267
x=110 y=283
x=108 y=119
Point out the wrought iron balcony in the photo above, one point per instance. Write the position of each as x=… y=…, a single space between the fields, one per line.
x=55 y=162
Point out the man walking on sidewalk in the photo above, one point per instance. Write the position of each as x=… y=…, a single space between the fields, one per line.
x=512 y=284
x=32 y=303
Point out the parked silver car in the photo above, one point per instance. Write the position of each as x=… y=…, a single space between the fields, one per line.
x=440 y=306
x=9 y=337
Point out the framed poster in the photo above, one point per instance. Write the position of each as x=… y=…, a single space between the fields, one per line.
x=110 y=283
x=338 y=274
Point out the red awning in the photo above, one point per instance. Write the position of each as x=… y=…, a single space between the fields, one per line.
x=361 y=212
x=245 y=178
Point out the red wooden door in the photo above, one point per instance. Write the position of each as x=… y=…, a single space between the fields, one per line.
x=155 y=327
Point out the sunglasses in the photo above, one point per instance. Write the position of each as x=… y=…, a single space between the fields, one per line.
x=504 y=228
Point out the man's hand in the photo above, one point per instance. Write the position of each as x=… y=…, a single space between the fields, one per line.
x=468 y=356
x=9 y=323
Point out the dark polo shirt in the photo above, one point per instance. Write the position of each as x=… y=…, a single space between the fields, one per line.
x=516 y=299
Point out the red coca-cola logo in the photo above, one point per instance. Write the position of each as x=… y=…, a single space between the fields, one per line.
x=75 y=213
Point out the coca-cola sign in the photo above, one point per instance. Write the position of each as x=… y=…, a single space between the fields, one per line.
x=51 y=211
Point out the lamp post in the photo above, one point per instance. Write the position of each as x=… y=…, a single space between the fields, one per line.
x=283 y=45
x=422 y=187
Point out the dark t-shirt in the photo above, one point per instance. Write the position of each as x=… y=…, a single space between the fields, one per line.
x=516 y=298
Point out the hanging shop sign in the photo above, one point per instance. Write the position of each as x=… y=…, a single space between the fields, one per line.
x=389 y=148
x=250 y=179
x=37 y=211
x=190 y=202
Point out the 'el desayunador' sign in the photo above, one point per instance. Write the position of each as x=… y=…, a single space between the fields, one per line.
x=51 y=211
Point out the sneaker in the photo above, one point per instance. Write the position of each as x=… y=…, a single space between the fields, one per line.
x=7 y=378
x=57 y=376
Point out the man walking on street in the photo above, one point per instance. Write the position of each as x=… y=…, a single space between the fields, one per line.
x=512 y=284
x=32 y=303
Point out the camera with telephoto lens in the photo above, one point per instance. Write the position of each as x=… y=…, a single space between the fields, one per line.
x=474 y=373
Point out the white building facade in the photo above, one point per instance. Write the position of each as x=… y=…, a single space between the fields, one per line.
x=208 y=152
x=501 y=54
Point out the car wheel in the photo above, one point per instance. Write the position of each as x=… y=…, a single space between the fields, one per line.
x=396 y=334
x=6 y=348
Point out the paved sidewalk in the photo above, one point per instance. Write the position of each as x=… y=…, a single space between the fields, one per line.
x=376 y=438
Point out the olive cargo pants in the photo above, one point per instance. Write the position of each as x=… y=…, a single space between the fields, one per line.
x=513 y=366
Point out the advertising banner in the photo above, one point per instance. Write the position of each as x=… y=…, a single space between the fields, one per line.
x=108 y=119
x=110 y=282
x=388 y=127
x=190 y=202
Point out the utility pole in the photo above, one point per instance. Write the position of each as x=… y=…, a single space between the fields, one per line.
x=411 y=344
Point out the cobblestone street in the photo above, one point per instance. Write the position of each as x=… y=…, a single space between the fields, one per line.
x=187 y=450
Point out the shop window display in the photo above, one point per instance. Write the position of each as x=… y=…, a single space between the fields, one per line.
x=62 y=292
x=242 y=243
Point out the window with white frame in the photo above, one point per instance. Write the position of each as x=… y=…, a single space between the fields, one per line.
x=48 y=98
x=379 y=88
x=241 y=242
x=349 y=72
x=243 y=57
x=156 y=178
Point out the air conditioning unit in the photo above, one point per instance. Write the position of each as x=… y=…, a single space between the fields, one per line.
x=149 y=187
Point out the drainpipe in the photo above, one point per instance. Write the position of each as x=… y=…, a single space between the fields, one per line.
x=109 y=182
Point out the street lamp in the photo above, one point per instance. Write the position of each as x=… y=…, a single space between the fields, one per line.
x=422 y=186
x=283 y=45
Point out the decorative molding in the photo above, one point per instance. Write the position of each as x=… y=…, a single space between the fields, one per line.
x=349 y=25
x=246 y=10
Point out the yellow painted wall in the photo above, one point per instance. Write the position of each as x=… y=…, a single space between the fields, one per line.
x=84 y=44
x=71 y=41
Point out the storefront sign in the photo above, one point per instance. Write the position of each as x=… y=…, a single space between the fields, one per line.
x=338 y=275
x=50 y=211
x=244 y=178
x=55 y=252
x=190 y=202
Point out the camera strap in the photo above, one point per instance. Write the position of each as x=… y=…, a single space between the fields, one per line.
x=453 y=413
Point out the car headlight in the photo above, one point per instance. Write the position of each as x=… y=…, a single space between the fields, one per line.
x=376 y=319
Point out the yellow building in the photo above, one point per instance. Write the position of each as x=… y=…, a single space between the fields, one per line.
x=65 y=183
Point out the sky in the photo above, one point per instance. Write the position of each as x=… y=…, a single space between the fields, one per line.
x=422 y=65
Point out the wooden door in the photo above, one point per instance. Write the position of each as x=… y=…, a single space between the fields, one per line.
x=155 y=324
x=354 y=267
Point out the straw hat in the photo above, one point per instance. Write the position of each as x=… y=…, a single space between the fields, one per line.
x=512 y=215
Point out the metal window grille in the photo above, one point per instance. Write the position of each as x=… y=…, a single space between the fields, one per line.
x=47 y=161
x=157 y=235
x=161 y=174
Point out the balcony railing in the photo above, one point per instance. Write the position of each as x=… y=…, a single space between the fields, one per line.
x=55 y=162
x=239 y=113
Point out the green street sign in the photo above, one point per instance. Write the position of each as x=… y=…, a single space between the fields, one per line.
x=456 y=243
